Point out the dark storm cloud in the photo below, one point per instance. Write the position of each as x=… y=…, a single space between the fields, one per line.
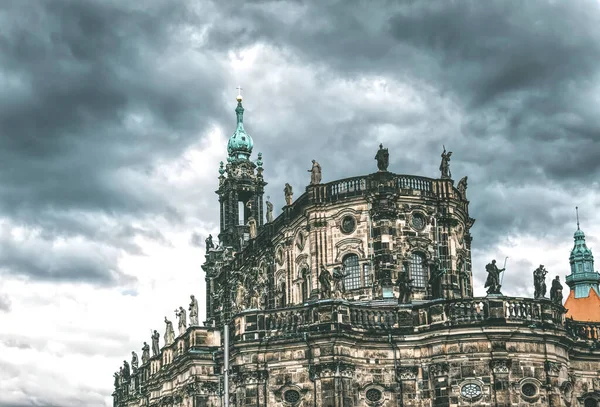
x=95 y=94
x=523 y=79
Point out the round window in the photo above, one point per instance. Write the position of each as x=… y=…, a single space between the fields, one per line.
x=348 y=224
x=291 y=396
x=529 y=389
x=590 y=402
x=471 y=391
x=374 y=395
x=417 y=221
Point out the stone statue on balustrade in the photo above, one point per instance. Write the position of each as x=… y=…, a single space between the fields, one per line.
x=193 y=311
x=338 y=276
x=252 y=225
x=169 y=332
x=289 y=194
x=269 y=211
x=383 y=158
x=493 y=279
x=145 y=353
x=325 y=279
x=315 y=173
x=182 y=322
x=435 y=279
x=117 y=376
x=405 y=287
x=462 y=187
x=134 y=361
x=155 y=339
x=256 y=298
x=209 y=243
x=539 y=281
x=445 y=164
x=126 y=372
x=556 y=295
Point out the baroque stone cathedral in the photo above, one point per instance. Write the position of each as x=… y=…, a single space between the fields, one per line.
x=360 y=294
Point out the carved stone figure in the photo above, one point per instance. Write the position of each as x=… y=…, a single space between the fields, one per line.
x=289 y=193
x=193 y=311
x=117 y=377
x=182 y=323
x=338 y=276
x=240 y=298
x=315 y=173
x=462 y=187
x=445 y=164
x=145 y=353
x=155 y=339
x=169 y=332
x=209 y=243
x=539 y=281
x=134 y=361
x=556 y=295
x=325 y=282
x=281 y=296
x=435 y=281
x=252 y=225
x=405 y=287
x=255 y=300
x=269 y=212
x=493 y=279
x=126 y=372
x=383 y=158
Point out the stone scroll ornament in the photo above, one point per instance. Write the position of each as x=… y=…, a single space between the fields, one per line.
x=462 y=187
x=289 y=194
x=269 y=210
x=383 y=158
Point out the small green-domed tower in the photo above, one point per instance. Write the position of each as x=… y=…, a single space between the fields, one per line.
x=241 y=187
x=582 y=277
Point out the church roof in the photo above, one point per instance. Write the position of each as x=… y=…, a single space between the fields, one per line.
x=586 y=309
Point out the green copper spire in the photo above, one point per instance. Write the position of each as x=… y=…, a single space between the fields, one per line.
x=582 y=277
x=240 y=143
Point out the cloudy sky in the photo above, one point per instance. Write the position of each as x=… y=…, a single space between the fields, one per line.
x=115 y=114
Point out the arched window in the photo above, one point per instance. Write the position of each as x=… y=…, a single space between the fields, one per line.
x=352 y=271
x=417 y=270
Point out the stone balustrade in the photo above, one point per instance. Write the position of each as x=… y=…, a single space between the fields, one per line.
x=587 y=331
x=328 y=315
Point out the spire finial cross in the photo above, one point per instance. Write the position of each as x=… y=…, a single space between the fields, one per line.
x=240 y=89
x=577 y=214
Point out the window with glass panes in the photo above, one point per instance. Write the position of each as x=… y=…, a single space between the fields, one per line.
x=352 y=271
x=417 y=271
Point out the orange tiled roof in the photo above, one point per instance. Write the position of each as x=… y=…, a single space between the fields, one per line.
x=585 y=309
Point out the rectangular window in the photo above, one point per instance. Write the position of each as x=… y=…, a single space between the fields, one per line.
x=241 y=208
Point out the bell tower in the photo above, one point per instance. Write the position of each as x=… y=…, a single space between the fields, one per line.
x=583 y=278
x=241 y=187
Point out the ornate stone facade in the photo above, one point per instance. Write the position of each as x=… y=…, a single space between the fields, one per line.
x=315 y=318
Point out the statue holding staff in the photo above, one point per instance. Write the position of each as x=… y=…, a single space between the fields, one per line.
x=493 y=279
